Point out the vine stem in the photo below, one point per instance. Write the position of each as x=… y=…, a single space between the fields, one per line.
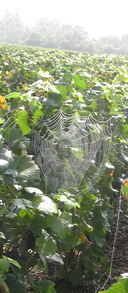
x=11 y=191
x=114 y=247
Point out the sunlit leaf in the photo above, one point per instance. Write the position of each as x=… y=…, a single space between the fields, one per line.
x=3 y=165
x=14 y=262
x=55 y=257
x=79 y=82
x=43 y=74
x=109 y=166
x=37 y=114
x=46 y=205
x=13 y=95
x=22 y=121
x=121 y=286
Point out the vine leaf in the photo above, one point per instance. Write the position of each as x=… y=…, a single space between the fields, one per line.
x=3 y=286
x=124 y=189
x=22 y=121
x=121 y=286
x=27 y=168
x=45 y=286
x=46 y=205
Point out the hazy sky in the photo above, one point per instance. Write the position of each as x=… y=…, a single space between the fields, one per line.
x=99 y=17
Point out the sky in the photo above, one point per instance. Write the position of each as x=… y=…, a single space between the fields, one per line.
x=98 y=17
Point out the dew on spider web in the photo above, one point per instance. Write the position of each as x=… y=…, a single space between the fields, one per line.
x=71 y=149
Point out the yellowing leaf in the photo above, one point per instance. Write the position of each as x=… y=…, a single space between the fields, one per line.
x=3 y=103
x=85 y=240
x=124 y=189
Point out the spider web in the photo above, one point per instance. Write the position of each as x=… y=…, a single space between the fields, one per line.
x=69 y=148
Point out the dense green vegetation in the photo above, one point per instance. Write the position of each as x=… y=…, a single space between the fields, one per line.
x=61 y=236
x=52 y=34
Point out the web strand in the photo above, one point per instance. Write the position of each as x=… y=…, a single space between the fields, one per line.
x=114 y=247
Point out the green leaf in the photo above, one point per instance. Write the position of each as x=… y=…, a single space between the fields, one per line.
x=13 y=134
x=15 y=285
x=120 y=287
x=79 y=96
x=37 y=114
x=113 y=189
x=55 y=258
x=46 y=205
x=79 y=82
x=22 y=203
x=71 y=203
x=14 y=262
x=39 y=84
x=61 y=197
x=87 y=75
x=12 y=170
x=109 y=166
x=44 y=75
x=13 y=96
x=6 y=154
x=1 y=121
x=125 y=128
x=45 y=234
x=27 y=168
x=43 y=259
x=45 y=286
x=3 y=165
x=3 y=209
x=58 y=227
x=76 y=277
x=33 y=190
x=8 y=123
x=2 y=236
x=22 y=121
x=53 y=100
x=50 y=246
x=4 y=286
x=62 y=91
x=68 y=77
x=98 y=86
x=39 y=243
x=53 y=88
x=124 y=188
x=4 y=264
x=87 y=227
x=45 y=246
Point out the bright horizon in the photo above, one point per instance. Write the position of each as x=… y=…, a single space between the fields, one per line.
x=98 y=17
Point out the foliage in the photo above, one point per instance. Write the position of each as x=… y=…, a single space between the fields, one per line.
x=120 y=286
x=5 y=263
x=67 y=229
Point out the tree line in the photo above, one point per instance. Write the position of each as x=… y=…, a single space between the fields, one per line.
x=48 y=33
